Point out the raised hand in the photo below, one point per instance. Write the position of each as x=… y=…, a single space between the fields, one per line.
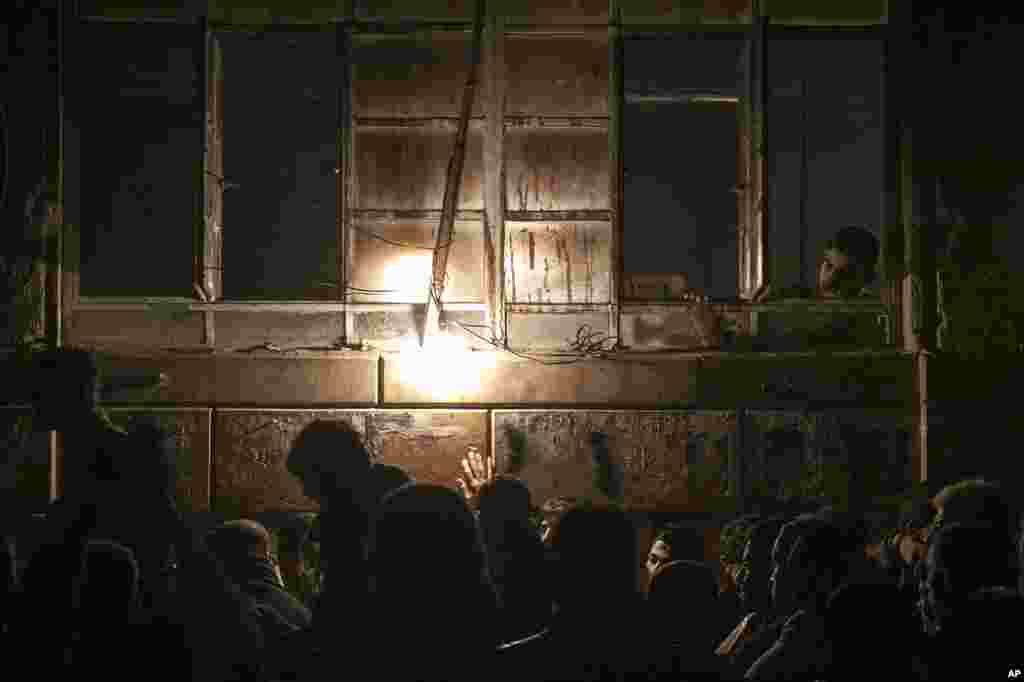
x=478 y=469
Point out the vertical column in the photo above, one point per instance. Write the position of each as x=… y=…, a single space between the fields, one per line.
x=346 y=169
x=70 y=253
x=616 y=105
x=214 y=159
x=918 y=186
x=892 y=260
x=745 y=190
x=200 y=228
x=754 y=257
x=54 y=304
x=494 y=170
x=761 y=260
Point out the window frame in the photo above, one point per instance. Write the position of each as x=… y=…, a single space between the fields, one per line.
x=754 y=241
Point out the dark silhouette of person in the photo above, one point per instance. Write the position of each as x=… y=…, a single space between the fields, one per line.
x=109 y=616
x=599 y=630
x=245 y=549
x=845 y=270
x=748 y=650
x=386 y=477
x=960 y=560
x=515 y=557
x=817 y=564
x=432 y=599
x=333 y=466
x=753 y=585
x=682 y=605
x=865 y=626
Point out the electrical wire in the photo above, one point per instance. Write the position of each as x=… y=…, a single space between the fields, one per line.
x=497 y=343
x=371 y=233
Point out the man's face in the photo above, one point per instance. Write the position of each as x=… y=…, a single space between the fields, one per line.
x=659 y=555
x=838 y=276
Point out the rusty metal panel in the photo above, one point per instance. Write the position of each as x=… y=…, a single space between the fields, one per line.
x=410 y=76
x=557 y=76
x=160 y=329
x=552 y=331
x=250 y=474
x=239 y=330
x=692 y=12
x=830 y=456
x=670 y=460
x=677 y=327
x=427 y=444
x=190 y=428
x=556 y=170
x=400 y=271
x=480 y=378
x=405 y=169
x=843 y=378
x=390 y=330
x=557 y=263
x=873 y=445
x=803 y=329
x=265 y=378
x=779 y=459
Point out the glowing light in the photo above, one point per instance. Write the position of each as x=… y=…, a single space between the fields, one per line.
x=409 y=276
x=444 y=368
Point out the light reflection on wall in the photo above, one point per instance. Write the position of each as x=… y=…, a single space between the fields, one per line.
x=444 y=368
x=409 y=276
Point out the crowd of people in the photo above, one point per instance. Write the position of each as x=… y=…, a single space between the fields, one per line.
x=426 y=582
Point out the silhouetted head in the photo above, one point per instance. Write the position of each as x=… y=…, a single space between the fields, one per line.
x=425 y=547
x=848 y=263
x=817 y=564
x=753 y=583
x=386 y=477
x=977 y=502
x=505 y=498
x=239 y=541
x=960 y=560
x=784 y=541
x=331 y=462
x=65 y=387
x=109 y=584
x=683 y=591
x=594 y=549
x=152 y=458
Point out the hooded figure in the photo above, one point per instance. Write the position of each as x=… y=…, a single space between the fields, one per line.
x=682 y=604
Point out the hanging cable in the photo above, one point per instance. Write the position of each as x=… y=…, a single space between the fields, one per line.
x=374 y=235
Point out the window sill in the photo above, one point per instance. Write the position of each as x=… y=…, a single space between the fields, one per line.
x=310 y=307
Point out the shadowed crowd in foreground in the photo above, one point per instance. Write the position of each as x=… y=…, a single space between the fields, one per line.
x=426 y=582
